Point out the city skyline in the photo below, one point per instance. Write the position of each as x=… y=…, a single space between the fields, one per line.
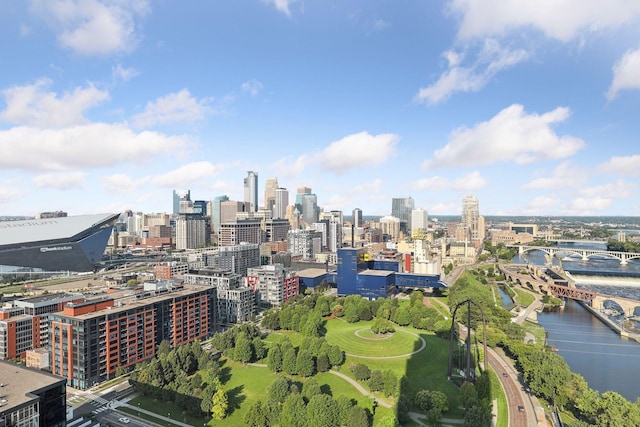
x=110 y=106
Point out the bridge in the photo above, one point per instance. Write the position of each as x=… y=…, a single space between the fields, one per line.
x=629 y=307
x=585 y=254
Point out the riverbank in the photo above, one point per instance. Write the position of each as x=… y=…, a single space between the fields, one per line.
x=611 y=324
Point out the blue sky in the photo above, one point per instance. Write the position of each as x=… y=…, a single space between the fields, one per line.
x=533 y=107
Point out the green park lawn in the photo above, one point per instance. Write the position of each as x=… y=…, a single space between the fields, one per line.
x=427 y=369
x=523 y=297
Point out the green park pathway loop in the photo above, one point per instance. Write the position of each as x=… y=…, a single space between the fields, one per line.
x=400 y=356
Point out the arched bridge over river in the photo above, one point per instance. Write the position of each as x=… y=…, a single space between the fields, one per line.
x=544 y=283
x=552 y=251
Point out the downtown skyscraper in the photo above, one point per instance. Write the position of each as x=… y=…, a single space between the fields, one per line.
x=401 y=208
x=251 y=190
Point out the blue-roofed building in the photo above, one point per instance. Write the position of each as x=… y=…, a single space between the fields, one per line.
x=359 y=274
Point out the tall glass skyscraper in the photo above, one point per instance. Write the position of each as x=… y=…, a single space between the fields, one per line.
x=471 y=220
x=251 y=190
x=401 y=208
x=357 y=217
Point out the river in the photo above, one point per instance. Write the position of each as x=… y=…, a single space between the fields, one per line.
x=590 y=348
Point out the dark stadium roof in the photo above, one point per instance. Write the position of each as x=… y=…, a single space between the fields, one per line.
x=50 y=229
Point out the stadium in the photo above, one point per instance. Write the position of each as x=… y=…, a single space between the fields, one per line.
x=74 y=243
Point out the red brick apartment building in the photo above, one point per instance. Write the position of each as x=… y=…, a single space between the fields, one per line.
x=91 y=339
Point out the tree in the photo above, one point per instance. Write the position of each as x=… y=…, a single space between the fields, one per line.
x=271 y=320
x=243 y=351
x=476 y=414
x=403 y=407
x=390 y=383
x=431 y=400
x=361 y=372
x=336 y=356
x=220 y=404
x=256 y=416
x=310 y=388
x=278 y=390
x=294 y=412
x=274 y=358
x=376 y=381
x=344 y=406
x=467 y=392
x=351 y=313
x=358 y=417
x=322 y=411
x=322 y=363
x=289 y=361
x=402 y=316
x=305 y=364
x=259 y=350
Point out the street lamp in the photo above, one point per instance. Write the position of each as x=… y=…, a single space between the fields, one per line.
x=138 y=408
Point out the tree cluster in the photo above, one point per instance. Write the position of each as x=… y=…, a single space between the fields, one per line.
x=549 y=377
x=377 y=380
x=314 y=355
x=288 y=406
x=186 y=376
x=241 y=343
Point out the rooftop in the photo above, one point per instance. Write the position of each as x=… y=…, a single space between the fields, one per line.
x=37 y=230
x=17 y=382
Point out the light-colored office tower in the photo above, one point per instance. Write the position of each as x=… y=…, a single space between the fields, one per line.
x=270 y=187
x=191 y=231
x=216 y=207
x=401 y=208
x=134 y=223
x=419 y=223
x=299 y=193
x=251 y=190
x=334 y=220
x=304 y=243
x=471 y=220
x=280 y=204
x=150 y=220
x=356 y=217
x=310 y=209
x=239 y=231
x=229 y=210
x=179 y=195
x=293 y=215
x=390 y=226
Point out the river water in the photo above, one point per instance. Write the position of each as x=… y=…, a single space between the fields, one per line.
x=590 y=348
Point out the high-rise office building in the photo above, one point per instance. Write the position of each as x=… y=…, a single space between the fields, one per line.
x=280 y=203
x=299 y=193
x=216 y=211
x=419 y=221
x=270 y=187
x=471 y=220
x=178 y=196
x=251 y=190
x=356 y=217
x=401 y=208
x=191 y=231
x=310 y=209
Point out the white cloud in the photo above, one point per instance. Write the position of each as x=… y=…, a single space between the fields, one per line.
x=564 y=175
x=357 y=150
x=490 y=60
x=624 y=165
x=290 y=167
x=124 y=74
x=10 y=192
x=511 y=135
x=616 y=190
x=184 y=176
x=175 y=107
x=33 y=105
x=587 y=205
x=561 y=20
x=61 y=181
x=626 y=74
x=281 y=5
x=542 y=205
x=86 y=146
x=122 y=183
x=252 y=87
x=469 y=182
x=93 y=27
